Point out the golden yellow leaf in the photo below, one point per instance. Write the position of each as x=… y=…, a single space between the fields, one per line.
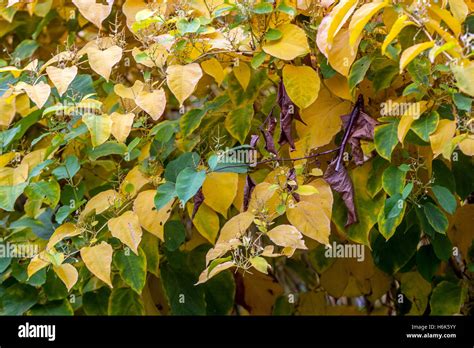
x=130 y=8
x=311 y=220
x=341 y=54
x=411 y=114
x=446 y=17
x=397 y=27
x=7 y=110
x=68 y=274
x=235 y=227
x=61 y=78
x=219 y=190
x=121 y=125
x=151 y=219
x=102 y=61
x=136 y=178
x=182 y=79
x=129 y=92
x=361 y=17
x=127 y=228
x=287 y=236
x=13 y=176
x=339 y=86
x=38 y=93
x=323 y=119
x=459 y=9
x=100 y=127
x=442 y=136
x=153 y=103
x=98 y=260
x=263 y=196
x=339 y=15
x=37 y=263
x=464 y=74
x=206 y=222
x=206 y=275
x=467 y=146
x=64 y=231
x=293 y=43
x=101 y=202
x=302 y=84
x=213 y=68
x=242 y=73
x=412 y=52
x=94 y=12
x=323 y=198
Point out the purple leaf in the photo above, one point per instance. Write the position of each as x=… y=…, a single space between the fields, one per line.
x=198 y=200
x=287 y=114
x=248 y=188
x=363 y=128
x=292 y=176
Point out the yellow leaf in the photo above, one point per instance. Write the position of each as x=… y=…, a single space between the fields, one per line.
x=153 y=103
x=412 y=52
x=129 y=92
x=322 y=35
x=14 y=176
x=446 y=17
x=101 y=202
x=182 y=80
x=339 y=86
x=98 y=260
x=242 y=73
x=219 y=190
x=339 y=15
x=136 y=178
x=442 y=136
x=68 y=274
x=287 y=236
x=411 y=114
x=260 y=264
x=121 y=125
x=64 y=231
x=61 y=78
x=127 y=228
x=206 y=222
x=293 y=43
x=397 y=27
x=7 y=110
x=302 y=84
x=306 y=190
x=206 y=275
x=235 y=227
x=151 y=219
x=311 y=220
x=323 y=119
x=361 y=17
x=459 y=9
x=213 y=68
x=323 y=198
x=37 y=263
x=38 y=93
x=102 y=61
x=467 y=146
x=6 y=158
x=341 y=55
x=263 y=196
x=130 y=8
x=100 y=127
x=94 y=12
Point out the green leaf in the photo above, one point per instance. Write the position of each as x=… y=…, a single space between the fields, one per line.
x=258 y=60
x=185 y=27
x=425 y=125
x=174 y=234
x=187 y=159
x=70 y=168
x=262 y=8
x=442 y=246
x=426 y=262
x=238 y=122
x=62 y=307
x=447 y=298
x=9 y=195
x=17 y=299
x=132 y=268
x=150 y=246
x=191 y=121
x=188 y=183
x=436 y=217
x=391 y=216
x=125 y=301
x=358 y=71
x=445 y=198
x=385 y=139
x=165 y=193
x=383 y=77
x=273 y=34
x=220 y=293
x=24 y=50
x=393 y=180
x=463 y=170
x=106 y=149
x=96 y=302
x=462 y=102
x=391 y=255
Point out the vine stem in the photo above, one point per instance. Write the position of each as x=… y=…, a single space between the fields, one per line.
x=353 y=118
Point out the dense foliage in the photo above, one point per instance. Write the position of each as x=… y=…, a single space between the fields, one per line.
x=224 y=156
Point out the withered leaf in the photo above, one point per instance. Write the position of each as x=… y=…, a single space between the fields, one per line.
x=248 y=188
x=197 y=200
